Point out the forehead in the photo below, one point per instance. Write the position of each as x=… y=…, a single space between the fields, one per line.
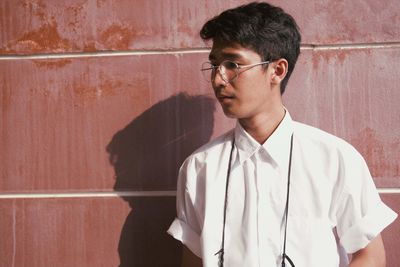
x=222 y=51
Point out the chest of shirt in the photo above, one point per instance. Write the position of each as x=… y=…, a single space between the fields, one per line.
x=256 y=199
x=260 y=181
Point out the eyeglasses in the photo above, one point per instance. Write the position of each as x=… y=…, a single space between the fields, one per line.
x=228 y=70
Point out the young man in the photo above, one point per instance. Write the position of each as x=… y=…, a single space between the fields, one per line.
x=272 y=191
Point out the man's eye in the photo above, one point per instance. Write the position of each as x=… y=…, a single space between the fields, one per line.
x=230 y=65
x=213 y=65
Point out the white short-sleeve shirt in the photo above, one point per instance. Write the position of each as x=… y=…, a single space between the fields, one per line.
x=334 y=206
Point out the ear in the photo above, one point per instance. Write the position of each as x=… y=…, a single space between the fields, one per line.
x=279 y=71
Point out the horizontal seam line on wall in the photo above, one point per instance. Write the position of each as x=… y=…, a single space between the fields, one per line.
x=350 y=46
x=388 y=190
x=104 y=54
x=90 y=194
x=124 y=194
x=182 y=51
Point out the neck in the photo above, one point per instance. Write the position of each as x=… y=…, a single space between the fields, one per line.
x=262 y=126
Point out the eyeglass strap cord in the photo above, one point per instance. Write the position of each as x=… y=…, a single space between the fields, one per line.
x=284 y=256
x=220 y=252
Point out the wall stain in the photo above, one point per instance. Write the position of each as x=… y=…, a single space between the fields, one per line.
x=109 y=87
x=37 y=8
x=85 y=91
x=91 y=92
x=42 y=39
x=337 y=55
x=46 y=38
x=117 y=37
x=75 y=21
x=90 y=47
x=5 y=95
x=52 y=64
x=100 y=3
x=382 y=157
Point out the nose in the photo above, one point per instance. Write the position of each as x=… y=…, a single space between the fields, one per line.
x=219 y=79
x=218 y=84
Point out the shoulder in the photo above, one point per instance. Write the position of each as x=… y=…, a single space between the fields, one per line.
x=337 y=159
x=314 y=137
x=215 y=144
x=205 y=160
x=327 y=149
x=209 y=151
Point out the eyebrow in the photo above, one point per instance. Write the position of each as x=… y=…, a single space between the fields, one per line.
x=224 y=55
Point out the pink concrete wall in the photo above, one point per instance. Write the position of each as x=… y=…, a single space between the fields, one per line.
x=100 y=101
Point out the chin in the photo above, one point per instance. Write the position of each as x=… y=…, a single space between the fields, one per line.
x=230 y=114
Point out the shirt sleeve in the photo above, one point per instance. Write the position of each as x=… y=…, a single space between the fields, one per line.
x=186 y=227
x=361 y=215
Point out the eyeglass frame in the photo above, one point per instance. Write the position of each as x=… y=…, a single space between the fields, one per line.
x=214 y=69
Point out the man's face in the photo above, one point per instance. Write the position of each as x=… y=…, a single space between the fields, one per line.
x=250 y=94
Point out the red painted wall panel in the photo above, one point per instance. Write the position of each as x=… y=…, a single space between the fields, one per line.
x=87 y=232
x=98 y=25
x=62 y=124
x=106 y=232
x=65 y=117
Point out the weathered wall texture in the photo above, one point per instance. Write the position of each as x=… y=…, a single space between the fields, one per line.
x=100 y=102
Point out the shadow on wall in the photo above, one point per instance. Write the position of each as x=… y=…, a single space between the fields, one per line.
x=146 y=155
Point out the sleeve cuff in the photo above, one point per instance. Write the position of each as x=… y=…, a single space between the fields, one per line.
x=360 y=234
x=182 y=232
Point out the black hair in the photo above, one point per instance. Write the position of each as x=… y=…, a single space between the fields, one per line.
x=264 y=28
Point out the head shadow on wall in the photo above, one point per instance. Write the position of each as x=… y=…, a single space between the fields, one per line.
x=146 y=155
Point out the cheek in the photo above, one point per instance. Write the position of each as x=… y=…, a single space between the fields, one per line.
x=254 y=91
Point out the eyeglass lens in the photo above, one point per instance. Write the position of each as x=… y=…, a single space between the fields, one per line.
x=227 y=69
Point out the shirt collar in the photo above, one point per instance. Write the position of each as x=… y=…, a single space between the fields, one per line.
x=277 y=145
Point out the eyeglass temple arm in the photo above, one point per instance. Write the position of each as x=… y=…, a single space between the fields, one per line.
x=253 y=65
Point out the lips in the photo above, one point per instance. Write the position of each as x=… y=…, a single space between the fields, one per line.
x=223 y=95
x=223 y=99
